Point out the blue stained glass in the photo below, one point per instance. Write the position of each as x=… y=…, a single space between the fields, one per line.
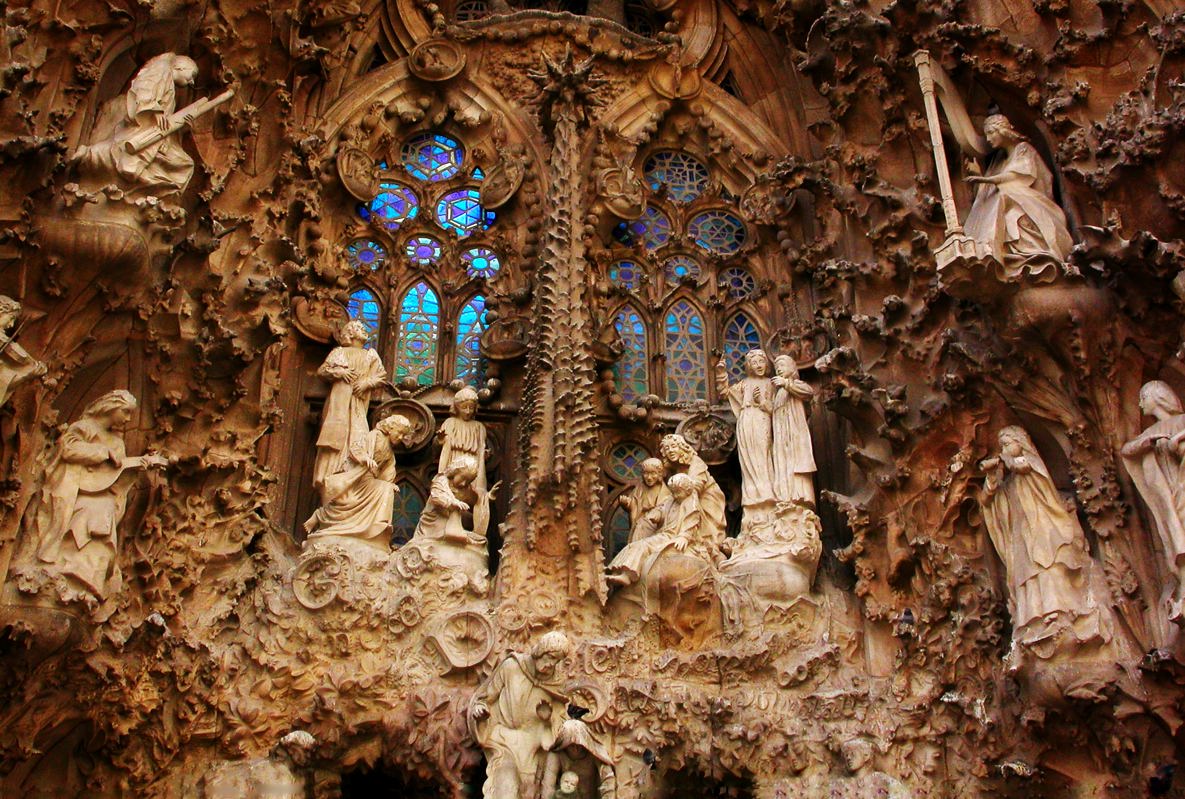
x=392 y=206
x=625 y=460
x=630 y=371
x=626 y=274
x=432 y=156
x=422 y=250
x=739 y=284
x=687 y=353
x=365 y=308
x=471 y=323
x=684 y=175
x=617 y=532
x=653 y=229
x=481 y=262
x=717 y=231
x=478 y=175
x=409 y=504
x=740 y=336
x=419 y=332
x=461 y=212
x=678 y=267
x=366 y=254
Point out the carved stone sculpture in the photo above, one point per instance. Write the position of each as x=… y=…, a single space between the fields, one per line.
x=1049 y=570
x=752 y=399
x=141 y=152
x=355 y=373
x=441 y=535
x=16 y=365
x=650 y=493
x=73 y=527
x=515 y=716
x=676 y=524
x=793 y=457
x=359 y=500
x=1155 y=459
x=462 y=435
x=679 y=456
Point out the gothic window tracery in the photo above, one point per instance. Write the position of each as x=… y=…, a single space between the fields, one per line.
x=419 y=333
x=686 y=353
x=630 y=371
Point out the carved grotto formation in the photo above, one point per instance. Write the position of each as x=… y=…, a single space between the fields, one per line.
x=595 y=400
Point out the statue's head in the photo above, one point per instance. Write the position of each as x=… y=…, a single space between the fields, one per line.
x=1158 y=399
x=999 y=131
x=185 y=70
x=675 y=449
x=681 y=485
x=10 y=311
x=857 y=753
x=353 y=334
x=569 y=782
x=462 y=470
x=114 y=407
x=396 y=427
x=465 y=403
x=1014 y=441
x=756 y=363
x=652 y=471
x=549 y=651
x=786 y=366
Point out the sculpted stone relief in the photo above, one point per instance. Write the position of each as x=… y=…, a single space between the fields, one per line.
x=546 y=519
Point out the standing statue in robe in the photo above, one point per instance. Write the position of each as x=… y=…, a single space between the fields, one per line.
x=75 y=520
x=1043 y=549
x=355 y=373
x=16 y=365
x=1014 y=213
x=162 y=168
x=461 y=435
x=360 y=500
x=1155 y=459
x=751 y=399
x=515 y=717
x=793 y=457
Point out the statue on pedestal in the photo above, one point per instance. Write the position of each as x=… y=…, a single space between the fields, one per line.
x=752 y=400
x=793 y=456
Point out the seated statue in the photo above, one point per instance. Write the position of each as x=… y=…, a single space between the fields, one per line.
x=360 y=500
x=673 y=525
x=441 y=535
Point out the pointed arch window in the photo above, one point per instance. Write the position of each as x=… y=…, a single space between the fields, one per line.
x=686 y=353
x=364 y=307
x=471 y=323
x=740 y=336
x=409 y=504
x=419 y=335
x=630 y=371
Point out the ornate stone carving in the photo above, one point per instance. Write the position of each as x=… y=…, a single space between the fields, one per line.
x=443 y=539
x=357 y=171
x=436 y=60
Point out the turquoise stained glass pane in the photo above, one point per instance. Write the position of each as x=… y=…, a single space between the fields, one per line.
x=366 y=254
x=679 y=267
x=481 y=262
x=419 y=333
x=461 y=212
x=684 y=175
x=422 y=250
x=364 y=307
x=629 y=373
x=471 y=323
x=392 y=206
x=409 y=504
x=617 y=532
x=738 y=283
x=626 y=274
x=625 y=461
x=432 y=156
x=686 y=353
x=740 y=336
x=478 y=175
x=653 y=229
x=717 y=231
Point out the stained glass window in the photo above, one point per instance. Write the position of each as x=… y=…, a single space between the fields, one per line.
x=392 y=206
x=481 y=262
x=366 y=254
x=432 y=156
x=686 y=352
x=617 y=532
x=717 y=231
x=738 y=283
x=678 y=267
x=740 y=336
x=625 y=461
x=409 y=504
x=478 y=175
x=365 y=308
x=684 y=175
x=422 y=250
x=626 y=274
x=461 y=212
x=470 y=324
x=653 y=229
x=629 y=372
x=419 y=331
